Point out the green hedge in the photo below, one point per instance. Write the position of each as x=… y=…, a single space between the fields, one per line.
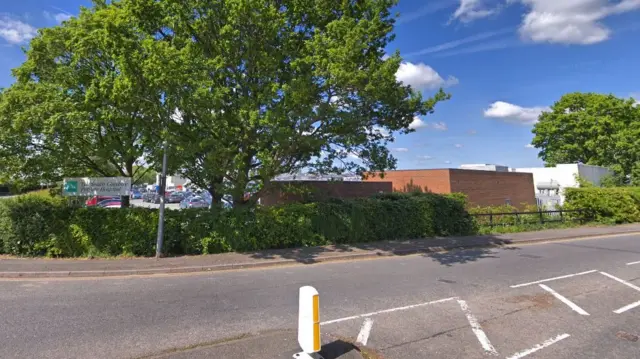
x=38 y=226
x=606 y=205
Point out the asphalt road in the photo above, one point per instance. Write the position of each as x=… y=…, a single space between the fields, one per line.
x=463 y=304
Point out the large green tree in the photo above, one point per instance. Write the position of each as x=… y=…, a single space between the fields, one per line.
x=280 y=86
x=591 y=128
x=82 y=104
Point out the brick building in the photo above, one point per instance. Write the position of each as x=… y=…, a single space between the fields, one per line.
x=483 y=188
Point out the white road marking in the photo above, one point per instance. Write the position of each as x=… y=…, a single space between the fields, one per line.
x=477 y=329
x=388 y=311
x=627 y=307
x=630 y=285
x=632 y=263
x=542 y=345
x=564 y=300
x=621 y=281
x=365 y=330
x=554 y=278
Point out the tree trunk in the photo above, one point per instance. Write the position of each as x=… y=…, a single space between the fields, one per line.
x=125 y=200
x=216 y=197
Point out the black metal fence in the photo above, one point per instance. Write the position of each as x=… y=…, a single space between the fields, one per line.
x=528 y=217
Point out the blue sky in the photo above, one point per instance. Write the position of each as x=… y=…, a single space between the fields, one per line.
x=503 y=61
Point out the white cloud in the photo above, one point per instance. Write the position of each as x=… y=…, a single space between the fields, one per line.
x=459 y=145
x=571 y=21
x=417 y=123
x=59 y=17
x=425 y=157
x=472 y=132
x=470 y=10
x=349 y=154
x=514 y=113
x=430 y=8
x=447 y=162
x=177 y=116
x=421 y=76
x=482 y=47
x=16 y=31
x=528 y=145
x=636 y=96
x=400 y=149
x=441 y=126
x=62 y=17
x=377 y=130
x=456 y=43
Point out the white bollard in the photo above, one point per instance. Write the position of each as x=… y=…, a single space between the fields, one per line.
x=309 y=324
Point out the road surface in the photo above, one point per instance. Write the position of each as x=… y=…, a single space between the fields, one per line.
x=571 y=299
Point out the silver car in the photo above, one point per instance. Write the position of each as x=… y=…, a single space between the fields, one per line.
x=194 y=202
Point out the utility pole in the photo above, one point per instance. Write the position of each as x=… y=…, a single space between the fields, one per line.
x=163 y=186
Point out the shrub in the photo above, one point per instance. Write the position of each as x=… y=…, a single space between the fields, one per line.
x=41 y=226
x=606 y=205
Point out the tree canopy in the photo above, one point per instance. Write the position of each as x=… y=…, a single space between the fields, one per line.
x=78 y=105
x=594 y=129
x=242 y=90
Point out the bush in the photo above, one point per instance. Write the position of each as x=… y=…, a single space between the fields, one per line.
x=606 y=205
x=41 y=226
x=31 y=225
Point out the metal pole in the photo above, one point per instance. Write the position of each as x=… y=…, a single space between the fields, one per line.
x=163 y=184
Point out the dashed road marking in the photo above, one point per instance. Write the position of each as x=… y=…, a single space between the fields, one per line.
x=630 y=285
x=477 y=329
x=632 y=263
x=365 y=330
x=388 y=311
x=627 y=307
x=542 y=345
x=564 y=300
x=554 y=278
x=621 y=281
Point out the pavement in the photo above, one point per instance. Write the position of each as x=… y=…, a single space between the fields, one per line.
x=554 y=300
x=11 y=267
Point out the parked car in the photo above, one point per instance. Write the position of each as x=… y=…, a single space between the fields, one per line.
x=175 y=197
x=110 y=203
x=194 y=202
x=93 y=201
x=149 y=197
x=136 y=194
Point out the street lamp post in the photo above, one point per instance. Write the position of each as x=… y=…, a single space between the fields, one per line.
x=163 y=186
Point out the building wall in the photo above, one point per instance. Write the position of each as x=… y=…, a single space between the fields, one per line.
x=487 y=188
x=565 y=175
x=594 y=174
x=322 y=190
x=483 y=188
x=436 y=181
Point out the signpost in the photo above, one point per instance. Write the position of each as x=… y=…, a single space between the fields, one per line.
x=97 y=186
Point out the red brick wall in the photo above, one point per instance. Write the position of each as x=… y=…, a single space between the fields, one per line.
x=490 y=188
x=483 y=188
x=436 y=181
x=323 y=189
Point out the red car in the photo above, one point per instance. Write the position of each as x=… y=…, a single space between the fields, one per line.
x=91 y=202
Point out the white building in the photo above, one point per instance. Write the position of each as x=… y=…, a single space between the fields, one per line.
x=173 y=181
x=550 y=182
x=485 y=167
